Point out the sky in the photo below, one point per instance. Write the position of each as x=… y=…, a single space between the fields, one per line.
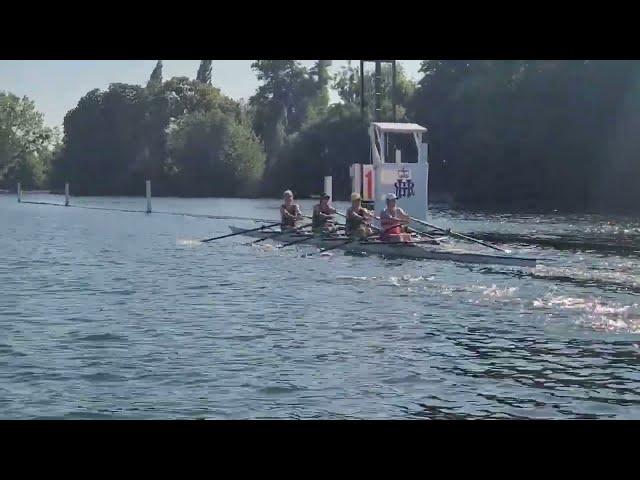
x=57 y=85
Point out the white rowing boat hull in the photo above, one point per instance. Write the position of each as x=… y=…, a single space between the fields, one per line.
x=407 y=250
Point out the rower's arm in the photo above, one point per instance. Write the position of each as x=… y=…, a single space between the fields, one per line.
x=403 y=216
x=286 y=214
x=353 y=214
x=316 y=211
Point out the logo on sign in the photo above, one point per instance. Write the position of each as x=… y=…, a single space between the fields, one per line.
x=404 y=185
x=404 y=174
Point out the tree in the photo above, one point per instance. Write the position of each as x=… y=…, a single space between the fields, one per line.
x=289 y=98
x=204 y=72
x=25 y=142
x=274 y=102
x=318 y=94
x=347 y=84
x=104 y=138
x=213 y=154
x=114 y=140
x=155 y=80
x=327 y=147
x=536 y=135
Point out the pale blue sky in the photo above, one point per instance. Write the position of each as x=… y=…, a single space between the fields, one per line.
x=57 y=85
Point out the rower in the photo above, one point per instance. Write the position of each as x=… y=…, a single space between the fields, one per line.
x=289 y=212
x=322 y=218
x=392 y=220
x=358 y=218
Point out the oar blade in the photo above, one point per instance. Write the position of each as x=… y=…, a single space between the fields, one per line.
x=206 y=240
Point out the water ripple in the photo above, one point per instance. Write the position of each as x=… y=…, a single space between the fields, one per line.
x=118 y=315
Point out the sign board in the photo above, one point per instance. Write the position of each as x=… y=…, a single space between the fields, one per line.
x=408 y=181
x=363 y=181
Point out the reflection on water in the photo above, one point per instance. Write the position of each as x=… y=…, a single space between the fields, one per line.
x=124 y=315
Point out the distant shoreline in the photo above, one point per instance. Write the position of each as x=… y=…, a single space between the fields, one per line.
x=439 y=201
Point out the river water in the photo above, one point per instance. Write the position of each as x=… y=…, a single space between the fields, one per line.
x=122 y=315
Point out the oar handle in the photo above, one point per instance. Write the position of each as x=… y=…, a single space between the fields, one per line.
x=372 y=226
x=277 y=234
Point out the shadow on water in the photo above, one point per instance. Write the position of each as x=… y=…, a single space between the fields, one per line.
x=626 y=245
x=552 y=374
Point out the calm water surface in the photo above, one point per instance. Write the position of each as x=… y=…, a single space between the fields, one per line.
x=109 y=314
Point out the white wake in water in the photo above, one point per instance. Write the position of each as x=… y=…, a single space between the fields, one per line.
x=496 y=292
x=621 y=275
x=188 y=242
x=594 y=313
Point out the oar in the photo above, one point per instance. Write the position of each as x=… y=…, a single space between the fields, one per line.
x=411 y=230
x=306 y=239
x=333 y=247
x=371 y=225
x=301 y=240
x=277 y=234
x=459 y=235
x=240 y=233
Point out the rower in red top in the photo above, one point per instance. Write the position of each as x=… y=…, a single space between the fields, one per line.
x=392 y=219
x=289 y=212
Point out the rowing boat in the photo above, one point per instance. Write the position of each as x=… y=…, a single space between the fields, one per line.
x=416 y=249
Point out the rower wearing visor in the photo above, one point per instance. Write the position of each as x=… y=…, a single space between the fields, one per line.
x=322 y=219
x=392 y=221
x=358 y=219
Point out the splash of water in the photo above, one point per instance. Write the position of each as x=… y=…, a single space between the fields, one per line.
x=594 y=313
x=188 y=242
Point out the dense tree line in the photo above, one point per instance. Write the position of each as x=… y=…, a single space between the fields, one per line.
x=514 y=134
x=26 y=144
x=183 y=135
x=537 y=135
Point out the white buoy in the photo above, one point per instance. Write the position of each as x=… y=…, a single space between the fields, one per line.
x=19 y=192
x=66 y=194
x=148 y=196
x=328 y=186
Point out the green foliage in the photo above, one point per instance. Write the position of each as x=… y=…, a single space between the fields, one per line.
x=104 y=141
x=25 y=142
x=155 y=80
x=213 y=154
x=327 y=147
x=204 y=71
x=503 y=134
x=532 y=134
x=289 y=98
x=347 y=84
x=116 y=139
x=29 y=170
